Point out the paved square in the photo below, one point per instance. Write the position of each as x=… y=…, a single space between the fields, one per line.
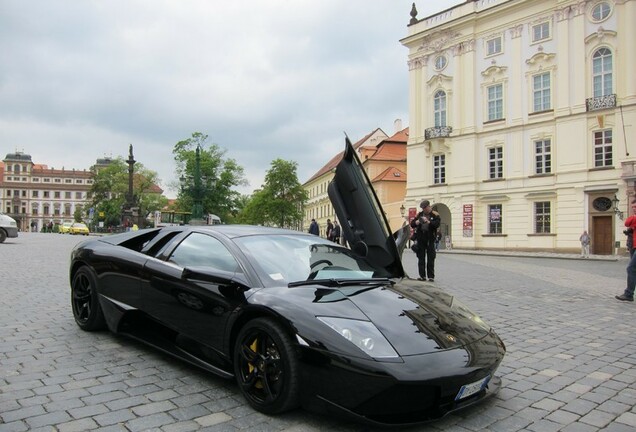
x=570 y=365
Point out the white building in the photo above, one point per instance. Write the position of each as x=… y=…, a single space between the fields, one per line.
x=35 y=195
x=522 y=121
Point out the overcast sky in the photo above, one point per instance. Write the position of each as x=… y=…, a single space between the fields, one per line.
x=264 y=79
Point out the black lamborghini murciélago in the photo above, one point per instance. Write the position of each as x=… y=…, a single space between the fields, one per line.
x=297 y=320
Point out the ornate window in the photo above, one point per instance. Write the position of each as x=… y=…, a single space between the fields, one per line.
x=440 y=62
x=541 y=92
x=439 y=169
x=541 y=31
x=600 y=11
x=602 y=72
x=542 y=217
x=543 y=156
x=439 y=108
x=603 y=148
x=493 y=46
x=495 y=162
x=495 y=102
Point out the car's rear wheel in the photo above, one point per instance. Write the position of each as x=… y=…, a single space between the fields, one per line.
x=266 y=367
x=84 y=299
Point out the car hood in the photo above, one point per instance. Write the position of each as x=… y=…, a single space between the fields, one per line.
x=418 y=318
x=414 y=316
x=363 y=221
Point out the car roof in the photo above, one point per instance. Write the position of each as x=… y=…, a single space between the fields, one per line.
x=232 y=231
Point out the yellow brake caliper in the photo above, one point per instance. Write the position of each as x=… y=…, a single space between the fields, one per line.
x=254 y=347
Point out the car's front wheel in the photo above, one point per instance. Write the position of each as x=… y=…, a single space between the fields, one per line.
x=3 y=235
x=266 y=366
x=84 y=299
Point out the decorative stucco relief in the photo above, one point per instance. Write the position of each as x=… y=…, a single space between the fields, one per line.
x=516 y=31
x=438 y=40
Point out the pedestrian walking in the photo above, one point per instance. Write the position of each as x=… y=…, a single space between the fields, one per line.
x=336 y=232
x=314 y=228
x=425 y=224
x=585 y=244
x=329 y=232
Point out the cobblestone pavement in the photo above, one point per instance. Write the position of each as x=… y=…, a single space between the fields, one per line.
x=570 y=366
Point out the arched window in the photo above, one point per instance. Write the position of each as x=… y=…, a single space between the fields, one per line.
x=16 y=169
x=439 y=108
x=602 y=72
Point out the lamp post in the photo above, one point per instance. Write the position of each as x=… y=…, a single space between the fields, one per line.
x=404 y=222
x=130 y=210
x=617 y=211
x=197 y=190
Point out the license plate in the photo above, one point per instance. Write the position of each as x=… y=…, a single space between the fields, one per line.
x=471 y=389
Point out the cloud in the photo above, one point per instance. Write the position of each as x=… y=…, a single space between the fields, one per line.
x=264 y=79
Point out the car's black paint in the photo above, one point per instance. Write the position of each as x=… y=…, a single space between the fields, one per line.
x=197 y=313
x=295 y=319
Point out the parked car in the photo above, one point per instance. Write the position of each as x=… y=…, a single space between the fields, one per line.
x=295 y=319
x=65 y=227
x=78 y=228
x=8 y=227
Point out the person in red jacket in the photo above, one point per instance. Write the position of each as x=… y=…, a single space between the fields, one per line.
x=628 y=294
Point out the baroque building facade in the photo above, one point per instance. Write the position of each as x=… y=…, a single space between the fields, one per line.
x=384 y=160
x=36 y=195
x=522 y=121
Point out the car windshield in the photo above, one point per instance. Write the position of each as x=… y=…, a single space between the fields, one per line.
x=283 y=259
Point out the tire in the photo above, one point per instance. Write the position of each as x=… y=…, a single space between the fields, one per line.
x=3 y=235
x=87 y=312
x=266 y=367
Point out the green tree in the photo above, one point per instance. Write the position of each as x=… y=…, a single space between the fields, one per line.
x=220 y=175
x=110 y=186
x=78 y=214
x=281 y=200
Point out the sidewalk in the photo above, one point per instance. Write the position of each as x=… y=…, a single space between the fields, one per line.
x=554 y=255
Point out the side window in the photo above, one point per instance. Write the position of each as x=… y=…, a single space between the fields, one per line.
x=205 y=251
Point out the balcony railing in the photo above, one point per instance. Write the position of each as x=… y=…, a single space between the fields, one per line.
x=601 y=102
x=437 y=132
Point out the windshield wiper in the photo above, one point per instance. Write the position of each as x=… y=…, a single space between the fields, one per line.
x=342 y=282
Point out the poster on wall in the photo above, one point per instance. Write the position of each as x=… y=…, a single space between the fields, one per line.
x=468 y=220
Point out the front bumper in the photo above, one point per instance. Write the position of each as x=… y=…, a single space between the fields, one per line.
x=12 y=232
x=418 y=389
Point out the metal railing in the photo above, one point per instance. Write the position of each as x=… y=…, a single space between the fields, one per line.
x=437 y=132
x=601 y=102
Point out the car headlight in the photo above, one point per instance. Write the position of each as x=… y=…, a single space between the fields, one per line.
x=362 y=334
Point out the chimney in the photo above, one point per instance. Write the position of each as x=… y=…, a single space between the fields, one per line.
x=397 y=124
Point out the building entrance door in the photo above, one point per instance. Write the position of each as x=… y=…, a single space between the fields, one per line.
x=602 y=235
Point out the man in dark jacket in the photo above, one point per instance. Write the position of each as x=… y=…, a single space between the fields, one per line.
x=314 y=228
x=425 y=225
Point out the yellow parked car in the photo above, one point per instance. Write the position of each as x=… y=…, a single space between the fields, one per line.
x=79 y=228
x=65 y=228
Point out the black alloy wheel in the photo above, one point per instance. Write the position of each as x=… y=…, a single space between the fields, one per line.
x=86 y=309
x=266 y=367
